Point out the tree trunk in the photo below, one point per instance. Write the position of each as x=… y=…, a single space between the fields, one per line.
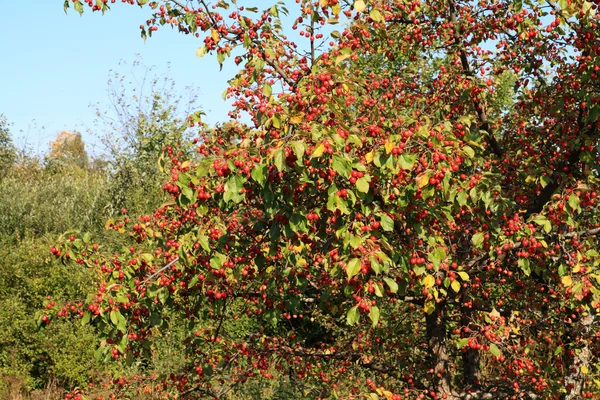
x=470 y=358
x=437 y=346
x=575 y=378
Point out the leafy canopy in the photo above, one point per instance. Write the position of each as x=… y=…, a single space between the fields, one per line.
x=411 y=212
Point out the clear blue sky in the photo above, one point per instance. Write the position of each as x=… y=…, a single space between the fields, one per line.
x=54 y=65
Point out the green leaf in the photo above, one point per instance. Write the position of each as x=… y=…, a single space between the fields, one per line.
x=374 y=315
x=353 y=267
x=437 y=256
x=468 y=151
x=86 y=237
x=376 y=15
x=461 y=198
x=517 y=5
x=574 y=202
x=494 y=350
x=86 y=318
x=279 y=160
x=594 y=114
x=258 y=173
x=352 y=316
x=391 y=284
x=477 y=239
x=299 y=148
x=362 y=185
x=387 y=223
x=203 y=240
x=407 y=161
x=356 y=241
x=118 y=320
x=267 y=90
x=524 y=265
x=341 y=166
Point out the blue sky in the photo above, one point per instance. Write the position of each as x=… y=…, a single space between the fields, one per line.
x=54 y=65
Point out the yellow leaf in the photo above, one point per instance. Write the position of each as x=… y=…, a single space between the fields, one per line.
x=336 y=8
x=428 y=281
x=388 y=395
x=296 y=119
x=318 y=152
x=567 y=281
x=370 y=156
x=214 y=34
x=422 y=180
x=301 y=262
x=359 y=5
x=429 y=306
x=584 y=369
x=108 y=224
x=389 y=146
x=455 y=285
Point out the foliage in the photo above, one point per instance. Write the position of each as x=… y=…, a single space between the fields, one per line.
x=148 y=113
x=68 y=150
x=7 y=149
x=396 y=223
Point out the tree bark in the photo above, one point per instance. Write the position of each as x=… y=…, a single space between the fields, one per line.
x=470 y=357
x=575 y=378
x=438 y=348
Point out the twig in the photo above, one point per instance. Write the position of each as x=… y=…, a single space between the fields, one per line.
x=160 y=270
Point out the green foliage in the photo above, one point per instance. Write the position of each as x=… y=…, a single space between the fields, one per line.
x=28 y=275
x=68 y=150
x=35 y=200
x=7 y=149
x=148 y=113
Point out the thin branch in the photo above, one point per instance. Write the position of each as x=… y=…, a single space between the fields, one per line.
x=484 y=123
x=160 y=270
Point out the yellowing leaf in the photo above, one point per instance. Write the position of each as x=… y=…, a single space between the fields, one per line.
x=370 y=156
x=468 y=151
x=429 y=306
x=342 y=57
x=201 y=52
x=428 y=281
x=318 y=151
x=214 y=34
x=389 y=146
x=296 y=119
x=376 y=15
x=422 y=180
x=359 y=5
x=566 y=281
x=455 y=286
x=584 y=369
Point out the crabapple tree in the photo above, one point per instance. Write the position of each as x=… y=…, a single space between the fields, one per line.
x=410 y=212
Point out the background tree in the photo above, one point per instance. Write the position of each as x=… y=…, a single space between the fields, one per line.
x=68 y=150
x=396 y=223
x=7 y=149
x=148 y=113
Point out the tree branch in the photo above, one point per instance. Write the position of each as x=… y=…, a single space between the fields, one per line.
x=479 y=107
